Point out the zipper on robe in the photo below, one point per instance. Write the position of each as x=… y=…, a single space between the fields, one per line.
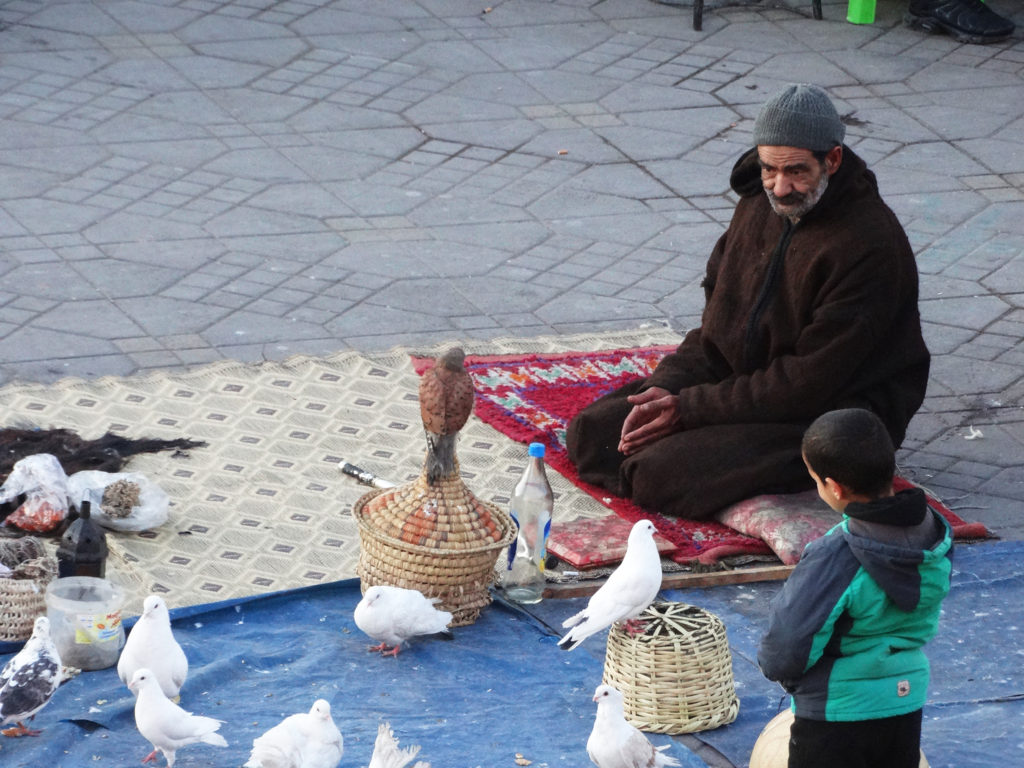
x=771 y=279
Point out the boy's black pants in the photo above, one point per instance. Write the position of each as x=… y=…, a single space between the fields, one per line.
x=890 y=742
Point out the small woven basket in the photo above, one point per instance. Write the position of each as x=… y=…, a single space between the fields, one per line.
x=675 y=677
x=23 y=593
x=439 y=539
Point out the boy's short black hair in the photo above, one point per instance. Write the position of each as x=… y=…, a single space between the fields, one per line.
x=853 y=447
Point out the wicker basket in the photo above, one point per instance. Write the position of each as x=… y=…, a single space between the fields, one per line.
x=23 y=594
x=439 y=539
x=675 y=677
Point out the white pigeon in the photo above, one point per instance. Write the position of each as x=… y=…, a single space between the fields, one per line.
x=615 y=743
x=394 y=614
x=29 y=680
x=151 y=645
x=164 y=724
x=386 y=753
x=627 y=592
x=304 y=740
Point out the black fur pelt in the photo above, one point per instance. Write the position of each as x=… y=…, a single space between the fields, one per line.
x=108 y=453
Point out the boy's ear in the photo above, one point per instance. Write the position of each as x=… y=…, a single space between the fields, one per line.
x=837 y=490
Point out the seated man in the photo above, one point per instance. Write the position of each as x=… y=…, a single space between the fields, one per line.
x=810 y=306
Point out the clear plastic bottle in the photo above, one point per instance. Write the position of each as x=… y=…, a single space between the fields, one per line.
x=531 y=507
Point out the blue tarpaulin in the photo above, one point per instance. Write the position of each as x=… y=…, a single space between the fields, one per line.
x=502 y=687
x=498 y=688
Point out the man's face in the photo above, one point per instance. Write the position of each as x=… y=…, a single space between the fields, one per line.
x=794 y=179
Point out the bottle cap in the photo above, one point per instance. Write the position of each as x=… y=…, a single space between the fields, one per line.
x=537 y=450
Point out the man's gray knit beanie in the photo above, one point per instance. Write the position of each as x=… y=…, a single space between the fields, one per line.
x=799 y=116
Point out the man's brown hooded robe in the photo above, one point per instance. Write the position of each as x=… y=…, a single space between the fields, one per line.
x=798 y=320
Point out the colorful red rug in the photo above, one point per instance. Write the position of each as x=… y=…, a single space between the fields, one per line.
x=531 y=398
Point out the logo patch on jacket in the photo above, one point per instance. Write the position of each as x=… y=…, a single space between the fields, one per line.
x=903 y=688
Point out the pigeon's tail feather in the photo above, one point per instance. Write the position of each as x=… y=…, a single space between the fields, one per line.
x=570 y=641
x=386 y=753
x=575 y=619
x=662 y=760
x=444 y=618
x=580 y=632
x=214 y=739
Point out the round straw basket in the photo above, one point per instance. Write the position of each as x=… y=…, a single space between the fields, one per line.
x=23 y=593
x=676 y=677
x=440 y=540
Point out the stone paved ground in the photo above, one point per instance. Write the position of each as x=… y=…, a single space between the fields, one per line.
x=183 y=181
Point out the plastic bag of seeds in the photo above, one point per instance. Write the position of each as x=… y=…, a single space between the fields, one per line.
x=121 y=501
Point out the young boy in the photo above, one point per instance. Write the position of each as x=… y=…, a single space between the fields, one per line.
x=845 y=632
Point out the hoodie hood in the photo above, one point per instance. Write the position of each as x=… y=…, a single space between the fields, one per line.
x=905 y=554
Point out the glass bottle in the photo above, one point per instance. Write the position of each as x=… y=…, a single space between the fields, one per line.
x=83 y=547
x=530 y=507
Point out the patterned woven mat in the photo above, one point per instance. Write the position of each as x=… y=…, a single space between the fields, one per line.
x=265 y=507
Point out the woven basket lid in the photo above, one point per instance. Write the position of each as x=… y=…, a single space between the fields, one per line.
x=442 y=516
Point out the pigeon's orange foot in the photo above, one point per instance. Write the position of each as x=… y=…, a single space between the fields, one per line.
x=378 y=648
x=150 y=758
x=392 y=652
x=20 y=730
x=634 y=627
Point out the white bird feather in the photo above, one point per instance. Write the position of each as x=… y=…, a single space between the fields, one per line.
x=386 y=753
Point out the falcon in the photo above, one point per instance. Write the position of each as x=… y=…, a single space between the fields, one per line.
x=446 y=400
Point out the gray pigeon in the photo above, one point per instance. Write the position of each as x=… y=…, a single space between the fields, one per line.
x=29 y=680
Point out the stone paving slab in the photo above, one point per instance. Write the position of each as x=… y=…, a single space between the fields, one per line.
x=192 y=181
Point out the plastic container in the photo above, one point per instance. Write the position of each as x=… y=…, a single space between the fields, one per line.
x=85 y=621
x=531 y=507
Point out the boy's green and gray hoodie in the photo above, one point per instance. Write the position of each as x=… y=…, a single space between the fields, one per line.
x=846 y=631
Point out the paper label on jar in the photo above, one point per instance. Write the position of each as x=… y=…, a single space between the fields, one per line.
x=97 y=627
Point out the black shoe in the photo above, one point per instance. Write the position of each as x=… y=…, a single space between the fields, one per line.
x=968 y=21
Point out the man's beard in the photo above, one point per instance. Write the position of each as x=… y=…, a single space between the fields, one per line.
x=796 y=205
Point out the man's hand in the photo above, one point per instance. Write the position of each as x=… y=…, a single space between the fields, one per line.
x=655 y=414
